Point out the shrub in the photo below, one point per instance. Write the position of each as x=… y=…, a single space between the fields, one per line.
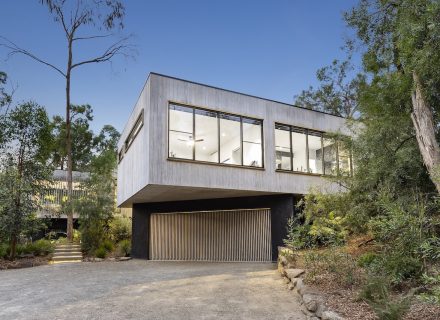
x=101 y=252
x=367 y=259
x=120 y=229
x=76 y=235
x=92 y=235
x=433 y=293
x=107 y=245
x=3 y=250
x=124 y=248
x=42 y=247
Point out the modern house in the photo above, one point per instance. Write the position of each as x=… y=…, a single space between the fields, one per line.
x=214 y=175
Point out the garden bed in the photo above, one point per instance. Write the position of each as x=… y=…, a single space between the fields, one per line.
x=27 y=262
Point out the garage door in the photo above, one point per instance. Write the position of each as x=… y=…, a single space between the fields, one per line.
x=234 y=235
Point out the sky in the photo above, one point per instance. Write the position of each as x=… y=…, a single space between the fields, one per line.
x=267 y=48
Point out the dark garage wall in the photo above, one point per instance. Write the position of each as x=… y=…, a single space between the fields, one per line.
x=282 y=208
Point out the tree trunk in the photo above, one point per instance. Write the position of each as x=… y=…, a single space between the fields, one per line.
x=13 y=249
x=69 y=149
x=423 y=121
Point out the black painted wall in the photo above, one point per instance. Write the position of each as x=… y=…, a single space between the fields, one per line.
x=282 y=208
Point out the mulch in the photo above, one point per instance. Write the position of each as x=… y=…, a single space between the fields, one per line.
x=20 y=263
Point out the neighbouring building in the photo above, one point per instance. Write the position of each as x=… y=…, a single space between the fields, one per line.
x=214 y=175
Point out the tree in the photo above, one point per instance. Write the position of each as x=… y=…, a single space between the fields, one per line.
x=401 y=37
x=5 y=98
x=24 y=168
x=103 y=16
x=337 y=92
x=82 y=138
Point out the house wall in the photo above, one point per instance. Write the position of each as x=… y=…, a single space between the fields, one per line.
x=146 y=163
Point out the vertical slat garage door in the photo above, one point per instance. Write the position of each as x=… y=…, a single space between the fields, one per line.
x=233 y=235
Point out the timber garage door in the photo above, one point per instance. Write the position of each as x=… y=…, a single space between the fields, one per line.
x=233 y=235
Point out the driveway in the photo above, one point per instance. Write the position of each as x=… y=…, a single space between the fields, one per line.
x=140 y=289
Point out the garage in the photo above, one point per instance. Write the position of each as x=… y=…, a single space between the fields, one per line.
x=228 y=235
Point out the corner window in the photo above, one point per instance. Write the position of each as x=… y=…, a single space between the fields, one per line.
x=134 y=131
x=215 y=137
x=309 y=151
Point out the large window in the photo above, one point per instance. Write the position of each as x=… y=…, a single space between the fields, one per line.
x=213 y=136
x=308 y=151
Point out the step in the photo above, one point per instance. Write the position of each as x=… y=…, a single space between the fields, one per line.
x=65 y=261
x=68 y=246
x=67 y=250
x=67 y=254
x=67 y=258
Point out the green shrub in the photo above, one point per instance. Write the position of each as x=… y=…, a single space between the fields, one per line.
x=120 y=229
x=76 y=235
x=42 y=247
x=3 y=250
x=107 y=245
x=124 y=248
x=92 y=235
x=376 y=293
x=367 y=259
x=101 y=252
x=433 y=285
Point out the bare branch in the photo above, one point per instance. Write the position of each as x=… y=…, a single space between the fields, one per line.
x=93 y=37
x=14 y=49
x=118 y=48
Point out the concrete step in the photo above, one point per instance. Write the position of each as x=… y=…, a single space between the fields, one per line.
x=67 y=258
x=67 y=254
x=62 y=246
x=67 y=249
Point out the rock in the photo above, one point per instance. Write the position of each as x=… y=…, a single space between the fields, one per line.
x=299 y=285
x=112 y=259
x=321 y=309
x=311 y=302
x=98 y=259
x=313 y=318
x=282 y=260
x=27 y=255
x=291 y=286
x=286 y=280
x=307 y=290
x=294 y=273
x=330 y=315
x=124 y=258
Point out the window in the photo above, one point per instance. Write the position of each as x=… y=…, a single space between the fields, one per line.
x=308 y=151
x=134 y=131
x=216 y=137
x=121 y=155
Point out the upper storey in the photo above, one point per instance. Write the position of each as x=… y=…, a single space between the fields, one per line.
x=186 y=140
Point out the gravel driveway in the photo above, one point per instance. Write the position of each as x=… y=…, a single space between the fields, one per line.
x=140 y=289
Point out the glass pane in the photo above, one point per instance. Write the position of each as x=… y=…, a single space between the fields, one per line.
x=330 y=164
x=299 y=150
x=206 y=142
x=181 y=145
x=282 y=147
x=181 y=141
x=315 y=152
x=252 y=146
x=181 y=118
x=344 y=160
x=230 y=146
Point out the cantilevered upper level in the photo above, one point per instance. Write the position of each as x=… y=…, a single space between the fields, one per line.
x=186 y=140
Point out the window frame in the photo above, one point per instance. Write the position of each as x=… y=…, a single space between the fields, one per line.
x=218 y=114
x=306 y=131
x=135 y=129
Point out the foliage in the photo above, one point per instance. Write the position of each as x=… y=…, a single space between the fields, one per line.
x=107 y=245
x=101 y=253
x=321 y=222
x=42 y=247
x=76 y=235
x=124 y=248
x=376 y=292
x=433 y=294
x=336 y=94
x=23 y=169
x=5 y=98
x=333 y=264
x=367 y=259
x=3 y=250
x=120 y=228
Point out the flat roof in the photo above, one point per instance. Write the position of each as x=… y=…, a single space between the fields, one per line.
x=241 y=93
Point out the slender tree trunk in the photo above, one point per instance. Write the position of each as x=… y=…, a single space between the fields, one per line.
x=69 y=148
x=423 y=121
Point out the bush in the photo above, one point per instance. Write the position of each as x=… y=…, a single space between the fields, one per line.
x=76 y=235
x=120 y=229
x=92 y=235
x=41 y=247
x=124 y=248
x=367 y=259
x=3 y=250
x=107 y=245
x=101 y=252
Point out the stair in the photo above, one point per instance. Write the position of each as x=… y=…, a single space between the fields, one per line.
x=65 y=253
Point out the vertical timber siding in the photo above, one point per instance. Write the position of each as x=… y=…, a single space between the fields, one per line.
x=230 y=235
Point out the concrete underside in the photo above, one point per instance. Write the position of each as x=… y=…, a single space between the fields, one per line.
x=141 y=289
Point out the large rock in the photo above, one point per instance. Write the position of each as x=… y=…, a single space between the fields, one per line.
x=294 y=273
x=312 y=302
x=330 y=315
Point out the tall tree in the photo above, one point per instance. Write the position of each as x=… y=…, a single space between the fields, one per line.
x=23 y=167
x=5 y=98
x=337 y=92
x=80 y=20
x=401 y=37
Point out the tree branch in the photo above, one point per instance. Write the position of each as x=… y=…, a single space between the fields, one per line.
x=14 y=49
x=115 y=49
x=92 y=37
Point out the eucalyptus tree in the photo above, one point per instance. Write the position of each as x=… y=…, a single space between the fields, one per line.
x=23 y=168
x=81 y=21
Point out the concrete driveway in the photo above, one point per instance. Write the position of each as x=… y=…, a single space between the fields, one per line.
x=140 y=289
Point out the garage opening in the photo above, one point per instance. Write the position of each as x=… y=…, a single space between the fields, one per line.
x=230 y=235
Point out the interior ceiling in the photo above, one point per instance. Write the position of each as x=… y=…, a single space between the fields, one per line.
x=161 y=193
x=284 y=141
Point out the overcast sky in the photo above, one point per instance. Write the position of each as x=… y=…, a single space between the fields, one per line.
x=268 y=48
